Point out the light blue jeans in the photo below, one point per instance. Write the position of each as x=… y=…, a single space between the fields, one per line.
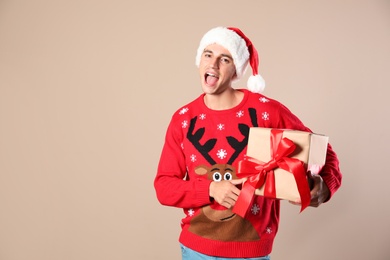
x=189 y=254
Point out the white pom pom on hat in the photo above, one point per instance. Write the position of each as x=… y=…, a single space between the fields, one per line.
x=242 y=50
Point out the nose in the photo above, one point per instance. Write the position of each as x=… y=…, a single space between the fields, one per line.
x=214 y=63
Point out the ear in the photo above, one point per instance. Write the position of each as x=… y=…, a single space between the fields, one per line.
x=201 y=170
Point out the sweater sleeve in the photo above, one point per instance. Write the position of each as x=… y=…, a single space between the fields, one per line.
x=171 y=184
x=330 y=173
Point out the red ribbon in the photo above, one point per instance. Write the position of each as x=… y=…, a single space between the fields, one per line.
x=260 y=173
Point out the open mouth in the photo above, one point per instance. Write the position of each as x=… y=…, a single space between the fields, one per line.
x=211 y=79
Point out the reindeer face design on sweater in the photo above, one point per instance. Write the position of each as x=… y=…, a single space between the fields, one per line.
x=215 y=221
x=217 y=172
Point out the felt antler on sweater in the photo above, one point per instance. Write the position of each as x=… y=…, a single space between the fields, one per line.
x=194 y=138
x=238 y=146
x=244 y=129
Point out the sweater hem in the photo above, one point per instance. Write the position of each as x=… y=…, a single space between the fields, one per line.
x=245 y=249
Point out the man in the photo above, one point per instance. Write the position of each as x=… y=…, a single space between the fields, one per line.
x=204 y=142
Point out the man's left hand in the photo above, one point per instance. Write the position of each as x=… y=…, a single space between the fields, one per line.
x=319 y=192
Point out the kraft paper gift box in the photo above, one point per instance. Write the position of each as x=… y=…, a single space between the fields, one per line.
x=305 y=151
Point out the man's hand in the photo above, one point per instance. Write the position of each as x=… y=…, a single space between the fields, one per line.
x=319 y=192
x=225 y=192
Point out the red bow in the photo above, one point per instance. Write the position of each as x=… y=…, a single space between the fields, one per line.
x=259 y=172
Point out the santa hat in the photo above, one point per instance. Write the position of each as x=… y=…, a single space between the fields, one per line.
x=242 y=50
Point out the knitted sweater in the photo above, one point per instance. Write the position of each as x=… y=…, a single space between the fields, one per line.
x=204 y=145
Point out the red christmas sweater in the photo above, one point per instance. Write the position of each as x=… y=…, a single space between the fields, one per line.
x=204 y=145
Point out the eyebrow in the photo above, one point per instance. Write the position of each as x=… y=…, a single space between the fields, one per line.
x=223 y=55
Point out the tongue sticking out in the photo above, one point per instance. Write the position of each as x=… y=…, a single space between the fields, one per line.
x=211 y=80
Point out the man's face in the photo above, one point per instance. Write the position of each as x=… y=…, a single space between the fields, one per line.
x=216 y=69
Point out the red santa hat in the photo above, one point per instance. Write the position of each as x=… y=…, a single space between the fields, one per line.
x=242 y=50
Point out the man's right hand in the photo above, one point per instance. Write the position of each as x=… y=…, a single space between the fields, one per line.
x=225 y=192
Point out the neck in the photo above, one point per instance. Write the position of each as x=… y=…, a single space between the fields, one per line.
x=226 y=100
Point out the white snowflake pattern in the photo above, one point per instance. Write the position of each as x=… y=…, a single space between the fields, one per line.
x=220 y=127
x=240 y=113
x=265 y=116
x=202 y=116
x=183 y=111
x=193 y=158
x=184 y=124
x=191 y=212
x=268 y=230
x=264 y=100
x=221 y=154
x=255 y=209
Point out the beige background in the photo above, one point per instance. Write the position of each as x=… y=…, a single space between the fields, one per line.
x=87 y=89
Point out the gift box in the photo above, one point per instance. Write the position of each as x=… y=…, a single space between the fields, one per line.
x=276 y=164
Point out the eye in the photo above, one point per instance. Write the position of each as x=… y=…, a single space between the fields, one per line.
x=217 y=176
x=225 y=60
x=206 y=55
x=228 y=176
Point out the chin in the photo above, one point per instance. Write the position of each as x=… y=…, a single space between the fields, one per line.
x=209 y=90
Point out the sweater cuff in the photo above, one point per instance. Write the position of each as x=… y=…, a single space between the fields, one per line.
x=332 y=183
x=203 y=193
